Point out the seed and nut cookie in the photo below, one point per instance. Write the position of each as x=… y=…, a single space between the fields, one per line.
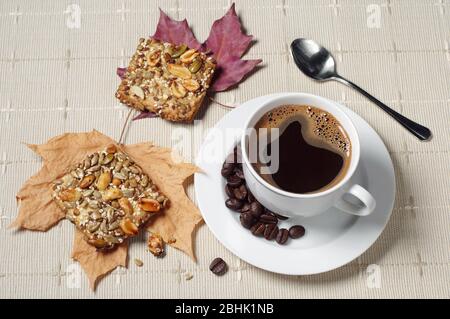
x=108 y=197
x=166 y=79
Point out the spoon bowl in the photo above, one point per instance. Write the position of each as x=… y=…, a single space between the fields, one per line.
x=313 y=60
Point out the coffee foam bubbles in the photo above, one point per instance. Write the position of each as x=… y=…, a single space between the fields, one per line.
x=318 y=127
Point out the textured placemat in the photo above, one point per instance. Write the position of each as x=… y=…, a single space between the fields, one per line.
x=57 y=74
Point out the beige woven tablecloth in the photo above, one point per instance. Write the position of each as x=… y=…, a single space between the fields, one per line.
x=57 y=74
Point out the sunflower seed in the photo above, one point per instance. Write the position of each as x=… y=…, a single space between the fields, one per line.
x=87 y=163
x=93 y=169
x=103 y=226
x=128 y=192
x=114 y=225
x=67 y=180
x=120 y=176
x=70 y=204
x=134 y=170
x=97 y=195
x=79 y=173
x=132 y=182
x=93 y=204
x=112 y=239
x=94 y=159
x=118 y=166
x=88 y=192
x=93 y=227
x=144 y=181
x=96 y=216
x=101 y=158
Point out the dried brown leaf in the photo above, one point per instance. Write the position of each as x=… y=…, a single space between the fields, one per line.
x=181 y=218
x=97 y=264
x=38 y=212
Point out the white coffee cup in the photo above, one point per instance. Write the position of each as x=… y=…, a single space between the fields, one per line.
x=345 y=195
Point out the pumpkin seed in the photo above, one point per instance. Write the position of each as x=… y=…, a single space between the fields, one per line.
x=108 y=158
x=138 y=262
x=93 y=227
x=179 y=51
x=195 y=66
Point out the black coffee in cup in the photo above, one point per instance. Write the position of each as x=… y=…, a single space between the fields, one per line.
x=314 y=151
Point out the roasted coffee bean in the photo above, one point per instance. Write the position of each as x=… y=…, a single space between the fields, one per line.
x=240 y=192
x=282 y=236
x=296 y=231
x=256 y=209
x=271 y=231
x=250 y=197
x=258 y=229
x=234 y=181
x=280 y=217
x=227 y=169
x=268 y=219
x=218 y=266
x=229 y=191
x=231 y=159
x=234 y=204
x=238 y=171
x=247 y=220
x=245 y=208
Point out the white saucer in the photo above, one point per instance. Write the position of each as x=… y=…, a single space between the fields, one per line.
x=332 y=239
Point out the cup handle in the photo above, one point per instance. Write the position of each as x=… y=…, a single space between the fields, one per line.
x=364 y=197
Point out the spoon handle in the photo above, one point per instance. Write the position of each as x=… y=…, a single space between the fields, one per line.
x=421 y=132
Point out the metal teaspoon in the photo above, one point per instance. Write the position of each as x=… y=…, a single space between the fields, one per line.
x=317 y=62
